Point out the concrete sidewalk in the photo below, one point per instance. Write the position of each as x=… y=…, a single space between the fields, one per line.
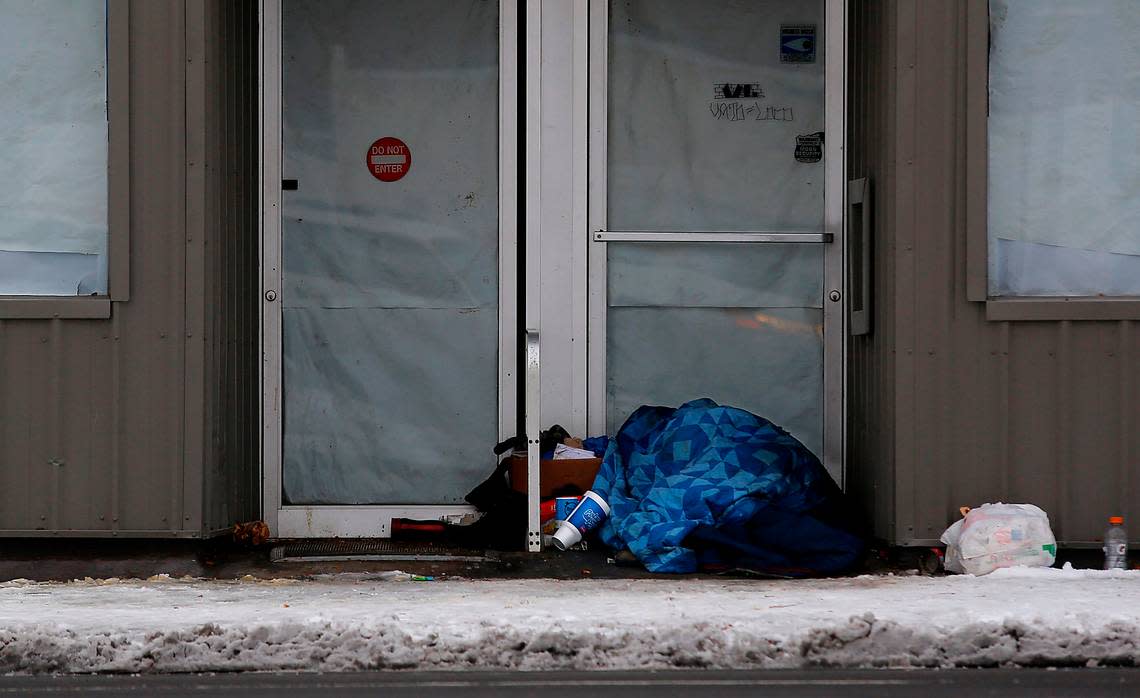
x=351 y=622
x=63 y=560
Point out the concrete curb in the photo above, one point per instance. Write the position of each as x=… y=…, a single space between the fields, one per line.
x=862 y=641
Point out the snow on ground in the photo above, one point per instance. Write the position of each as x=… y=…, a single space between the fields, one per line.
x=348 y=622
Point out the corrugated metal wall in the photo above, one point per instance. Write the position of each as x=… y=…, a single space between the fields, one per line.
x=107 y=427
x=972 y=410
x=871 y=361
x=233 y=477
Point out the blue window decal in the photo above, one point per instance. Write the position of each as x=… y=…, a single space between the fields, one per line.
x=797 y=43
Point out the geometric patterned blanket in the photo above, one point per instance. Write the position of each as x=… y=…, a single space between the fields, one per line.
x=704 y=485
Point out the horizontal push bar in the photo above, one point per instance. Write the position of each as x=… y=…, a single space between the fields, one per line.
x=697 y=236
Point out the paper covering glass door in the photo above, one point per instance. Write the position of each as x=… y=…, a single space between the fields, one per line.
x=390 y=250
x=708 y=209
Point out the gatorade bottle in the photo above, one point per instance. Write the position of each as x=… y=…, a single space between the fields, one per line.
x=1115 y=544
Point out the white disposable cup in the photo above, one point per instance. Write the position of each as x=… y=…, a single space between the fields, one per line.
x=566 y=535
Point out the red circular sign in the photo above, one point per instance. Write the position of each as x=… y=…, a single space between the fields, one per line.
x=388 y=159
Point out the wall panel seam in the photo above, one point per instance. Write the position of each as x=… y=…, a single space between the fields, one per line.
x=190 y=503
x=903 y=300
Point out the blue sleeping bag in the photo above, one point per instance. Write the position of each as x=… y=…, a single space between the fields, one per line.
x=706 y=486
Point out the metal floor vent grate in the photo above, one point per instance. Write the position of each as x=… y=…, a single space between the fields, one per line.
x=369 y=549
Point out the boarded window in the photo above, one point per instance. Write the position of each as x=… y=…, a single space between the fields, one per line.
x=1064 y=148
x=53 y=148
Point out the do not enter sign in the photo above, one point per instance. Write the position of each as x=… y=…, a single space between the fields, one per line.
x=389 y=159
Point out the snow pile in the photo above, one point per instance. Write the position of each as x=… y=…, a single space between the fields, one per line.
x=1015 y=616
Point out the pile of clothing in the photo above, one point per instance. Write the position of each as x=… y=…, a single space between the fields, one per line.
x=697 y=487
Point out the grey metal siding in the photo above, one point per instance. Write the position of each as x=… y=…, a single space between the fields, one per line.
x=1042 y=412
x=870 y=390
x=233 y=446
x=102 y=422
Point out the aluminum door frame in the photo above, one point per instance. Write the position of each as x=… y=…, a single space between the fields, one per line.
x=367 y=521
x=832 y=235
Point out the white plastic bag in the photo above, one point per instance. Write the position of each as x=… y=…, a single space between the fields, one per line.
x=999 y=535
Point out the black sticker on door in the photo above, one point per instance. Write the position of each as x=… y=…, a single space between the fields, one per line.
x=738 y=90
x=809 y=148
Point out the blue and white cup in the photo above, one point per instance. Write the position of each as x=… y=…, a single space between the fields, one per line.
x=586 y=517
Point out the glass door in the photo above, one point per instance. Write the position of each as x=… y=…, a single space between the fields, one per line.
x=715 y=211
x=698 y=254
x=390 y=305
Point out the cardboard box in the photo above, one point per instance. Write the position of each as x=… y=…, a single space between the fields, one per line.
x=555 y=474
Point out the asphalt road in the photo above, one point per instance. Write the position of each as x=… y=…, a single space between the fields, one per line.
x=975 y=683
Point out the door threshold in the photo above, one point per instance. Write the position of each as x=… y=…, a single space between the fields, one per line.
x=375 y=549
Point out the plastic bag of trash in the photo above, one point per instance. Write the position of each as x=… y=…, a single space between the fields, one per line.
x=999 y=535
